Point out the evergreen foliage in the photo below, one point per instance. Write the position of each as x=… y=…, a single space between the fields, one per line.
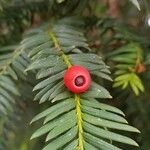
x=53 y=49
x=65 y=120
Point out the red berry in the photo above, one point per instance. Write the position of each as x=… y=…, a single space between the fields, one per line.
x=77 y=79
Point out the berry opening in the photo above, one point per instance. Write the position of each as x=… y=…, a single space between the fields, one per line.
x=79 y=81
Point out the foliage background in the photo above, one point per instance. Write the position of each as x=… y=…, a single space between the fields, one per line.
x=111 y=24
